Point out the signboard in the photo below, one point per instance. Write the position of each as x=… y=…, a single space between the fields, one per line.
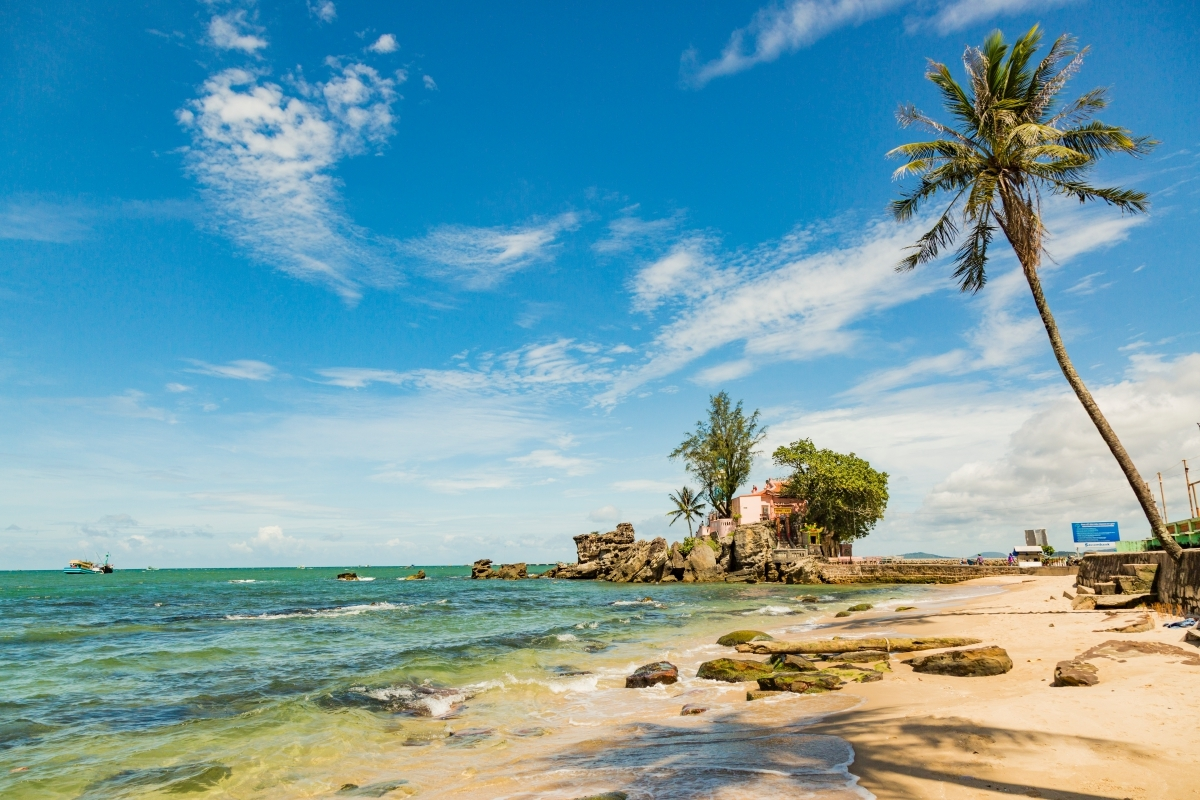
x=1095 y=532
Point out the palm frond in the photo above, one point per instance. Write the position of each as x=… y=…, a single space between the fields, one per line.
x=1096 y=139
x=1062 y=49
x=1081 y=108
x=956 y=100
x=1124 y=199
x=971 y=259
x=909 y=115
x=1053 y=85
x=928 y=246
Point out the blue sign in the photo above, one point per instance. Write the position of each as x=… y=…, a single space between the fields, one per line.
x=1095 y=532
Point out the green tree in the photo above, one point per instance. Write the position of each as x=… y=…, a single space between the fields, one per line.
x=721 y=452
x=1013 y=139
x=845 y=496
x=688 y=505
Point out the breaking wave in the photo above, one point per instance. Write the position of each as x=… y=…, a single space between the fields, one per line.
x=337 y=611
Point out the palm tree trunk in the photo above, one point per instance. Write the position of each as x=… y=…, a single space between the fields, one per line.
x=1029 y=266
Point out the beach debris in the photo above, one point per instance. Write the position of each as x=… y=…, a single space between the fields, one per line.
x=652 y=675
x=734 y=670
x=791 y=663
x=741 y=637
x=899 y=644
x=1138 y=625
x=861 y=607
x=974 y=663
x=692 y=709
x=509 y=572
x=801 y=682
x=1068 y=595
x=1075 y=673
x=1190 y=622
x=370 y=790
x=347 y=576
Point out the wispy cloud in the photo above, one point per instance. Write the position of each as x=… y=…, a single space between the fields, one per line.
x=384 y=44
x=41 y=221
x=265 y=159
x=776 y=30
x=958 y=14
x=242 y=370
x=480 y=258
x=429 y=82
x=628 y=232
x=323 y=10
x=1087 y=284
x=553 y=460
x=231 y=31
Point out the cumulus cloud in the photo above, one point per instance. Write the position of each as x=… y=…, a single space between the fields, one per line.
x=605 y=514
x=480 y=258
x=265 y=158
x=384 y=44
x=323 y=10
x=269 y=538
x=231 y=31
x=243 y=370
x=429 y=82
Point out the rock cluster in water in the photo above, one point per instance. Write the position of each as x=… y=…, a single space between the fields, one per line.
x=510 y=572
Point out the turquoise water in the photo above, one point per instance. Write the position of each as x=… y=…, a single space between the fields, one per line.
x=286 y=682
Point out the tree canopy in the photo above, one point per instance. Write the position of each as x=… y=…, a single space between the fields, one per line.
x=720 y=453
x=687 y=504
x=845 y=495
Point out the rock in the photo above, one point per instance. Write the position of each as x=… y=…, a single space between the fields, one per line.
x=675 y=559
x=1076 y=673
x=842 y=614
x=347 y=576
x=860 y=656
x=974 y=663
x=888 y=645
x=1084 y=602
x=606 y=796
x=742 y=576
x=1139 y=625
x=800 y=682
x=733 y=670
x=1192 y=637
x=702 y=565
x=792 y=663
x=855 y=674
x=861 y=607
x=1123 y=600
x=652 y=675
x=906 y=608
x=481 y=569
x=691 y=710
x=631 y=563
x=741 y=637
x=808 y=598
x=1081 y=589
x=1068 y=595
x=759 y=694
x=370 y=790
x=1106 y=587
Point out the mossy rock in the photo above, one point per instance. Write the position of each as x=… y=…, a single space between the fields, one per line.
x=801 y=682
x=742 y=637
x=786 y=662
x=906 y=608
x=861 y=607
x=734 y=670
x=842 y=614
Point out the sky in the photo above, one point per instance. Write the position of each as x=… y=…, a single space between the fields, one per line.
x=328 y=282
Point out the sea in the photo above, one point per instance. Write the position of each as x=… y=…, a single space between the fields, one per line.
x=288 y=683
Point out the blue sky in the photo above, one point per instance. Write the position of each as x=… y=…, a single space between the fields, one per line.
x=340 y=283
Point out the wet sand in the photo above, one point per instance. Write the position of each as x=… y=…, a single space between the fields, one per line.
x=925 y=736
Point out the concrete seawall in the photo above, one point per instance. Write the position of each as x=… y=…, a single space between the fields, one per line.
x=926 y=573
x=1176 y=584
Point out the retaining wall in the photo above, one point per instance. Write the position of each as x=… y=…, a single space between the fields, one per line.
x=1178 y=584
x=926 y=573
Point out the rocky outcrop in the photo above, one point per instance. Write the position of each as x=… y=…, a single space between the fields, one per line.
x=620 y=557
x=652 y=675
x=510 y=572
x=753 y=546
x=734 y=670
x=886 y=644
x=701 y=565
x=974 y=663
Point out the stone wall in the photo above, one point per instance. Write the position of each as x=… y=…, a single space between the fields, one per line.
x=1175 y=583
x=925 y=573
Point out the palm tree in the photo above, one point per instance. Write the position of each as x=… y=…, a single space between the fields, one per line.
x=688 y=504
x=1011 y=140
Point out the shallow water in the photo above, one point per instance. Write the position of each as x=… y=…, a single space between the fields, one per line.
x=287 y=683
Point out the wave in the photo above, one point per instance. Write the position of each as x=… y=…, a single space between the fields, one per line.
x=419 y=700
x=243 y=580
x=566 y=637
x=592 y=625
x=771 y=611
x=337 y=611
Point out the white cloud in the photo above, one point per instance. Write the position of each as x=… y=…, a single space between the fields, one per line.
x=1087 y=285
x=265 y=160
x=270 y=538
x=644 y=485
x=242 y=369
x=41 y=221
x=553 y=460
x=776 y=30
x=323 y=10
x=356 y=378
x=178 y=388
x=958 y=14
x=429 y=83
x=231 y=31
x=479 y=258
x=628 y=232
x=384 y=44
x=605 y=514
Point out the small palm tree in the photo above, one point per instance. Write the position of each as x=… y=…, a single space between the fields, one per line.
x=688 y=504
x=1011 y=141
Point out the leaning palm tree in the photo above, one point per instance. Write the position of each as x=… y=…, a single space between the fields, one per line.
x=1012 y=140
x=688 y=504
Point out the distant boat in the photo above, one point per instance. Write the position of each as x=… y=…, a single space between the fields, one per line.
x=151 y=569
x=80 y=567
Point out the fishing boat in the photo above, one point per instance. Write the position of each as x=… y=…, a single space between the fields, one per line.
x=81 y=567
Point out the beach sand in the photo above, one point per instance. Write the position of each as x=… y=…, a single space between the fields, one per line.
x=926 y=736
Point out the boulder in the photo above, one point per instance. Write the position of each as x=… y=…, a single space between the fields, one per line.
x=861 y=607
x=741 y=637
x=481 y=569
x=759 y=694
x=1076 y=673
x=800 y=682
x=1105 y=587
x=792 y=663
x=842 y=614
x=631 y=563
x=1084 y=602
x=752 y=548
x=974 y=663
x=701 y=565
x=733 y=670
x=692 y=709
x=676 y=560
x=906 y=608
x=652 y=675
x=809 y=598
x=887 y=644
x=347 y=576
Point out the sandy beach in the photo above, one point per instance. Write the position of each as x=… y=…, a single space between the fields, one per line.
x=928 y=736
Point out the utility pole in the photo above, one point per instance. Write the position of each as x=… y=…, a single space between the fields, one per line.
x=1193 y=501
x=1164 y=498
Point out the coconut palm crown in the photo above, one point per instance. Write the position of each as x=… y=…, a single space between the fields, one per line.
x=1012 y=140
